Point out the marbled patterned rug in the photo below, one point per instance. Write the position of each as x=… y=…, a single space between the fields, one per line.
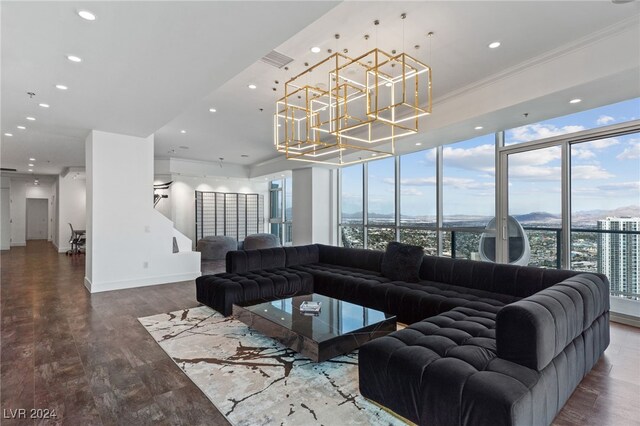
x=253 y=380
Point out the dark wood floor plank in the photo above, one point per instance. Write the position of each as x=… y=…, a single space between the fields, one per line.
x=87 y=356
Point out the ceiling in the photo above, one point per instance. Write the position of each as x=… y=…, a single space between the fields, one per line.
x=159 y=67
x=143 y=63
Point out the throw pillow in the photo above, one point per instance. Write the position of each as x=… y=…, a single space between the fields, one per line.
x=401 y=262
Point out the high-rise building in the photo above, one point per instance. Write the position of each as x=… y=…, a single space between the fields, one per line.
x=619 y=255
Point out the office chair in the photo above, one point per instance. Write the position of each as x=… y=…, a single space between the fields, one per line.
x=77 y=241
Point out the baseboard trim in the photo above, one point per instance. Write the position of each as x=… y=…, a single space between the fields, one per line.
x=624 y=319
x=19 y=244
x=141 y=282
x=87 y=284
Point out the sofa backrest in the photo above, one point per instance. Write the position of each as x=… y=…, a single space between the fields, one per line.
x=301 y=255
x=239 y=261
x=351 y=257
x=519 y=281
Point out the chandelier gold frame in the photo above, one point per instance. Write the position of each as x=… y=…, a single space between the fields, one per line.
x=367 y=103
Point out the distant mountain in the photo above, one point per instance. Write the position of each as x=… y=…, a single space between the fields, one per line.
x=537 y=217
x=589 y=217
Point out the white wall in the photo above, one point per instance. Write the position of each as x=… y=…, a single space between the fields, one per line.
x=5 y=214
x=18 y=211
x=182 y=197
x=72 y=200
x=129 y=244
x=312 y=206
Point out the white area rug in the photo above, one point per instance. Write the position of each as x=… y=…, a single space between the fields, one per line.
x=253 y=380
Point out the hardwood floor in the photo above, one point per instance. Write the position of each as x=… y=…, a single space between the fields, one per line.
x=87 y=357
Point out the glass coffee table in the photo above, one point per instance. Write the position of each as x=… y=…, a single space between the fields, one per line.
x=338 y=329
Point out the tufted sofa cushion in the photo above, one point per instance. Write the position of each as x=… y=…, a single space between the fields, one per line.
x=535 y=330
x=445 y=371
x=427 y=364
x=221 y=291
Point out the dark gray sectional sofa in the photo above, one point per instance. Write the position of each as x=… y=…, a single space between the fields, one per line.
x=487 y=344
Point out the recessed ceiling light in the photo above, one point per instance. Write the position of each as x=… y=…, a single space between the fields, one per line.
x=31 y=118
x=85 y=14
x=478 y=127
x=44 y=105
x=21 y=127
x=575 y=101
x=8 y=134
x=494 y=44
x=388 y=85
x=418 y=143
x=374 y=155
x=212 y=110
x=61 y=87
x=252 y=86
x=30 y=165
x=279 y=125
x=30 y=170
x=32 y=159
x=183 y=131
x=74 y=58
x=315 y=49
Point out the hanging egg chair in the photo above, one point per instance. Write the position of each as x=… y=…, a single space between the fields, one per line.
x=519 y=249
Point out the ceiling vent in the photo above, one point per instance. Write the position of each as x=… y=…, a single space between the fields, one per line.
x=276 y=59
x=4 y=169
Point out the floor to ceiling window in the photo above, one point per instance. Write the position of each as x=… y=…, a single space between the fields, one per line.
x=280 y=209
x=418 y=208
x=605 y=217
x=352 y=206
x=572 y=184
x=468 y=195
x=381 y=210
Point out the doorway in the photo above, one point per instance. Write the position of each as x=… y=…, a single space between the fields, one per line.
x=37 y=218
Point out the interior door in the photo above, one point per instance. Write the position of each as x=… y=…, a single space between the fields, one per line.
x=37 y=218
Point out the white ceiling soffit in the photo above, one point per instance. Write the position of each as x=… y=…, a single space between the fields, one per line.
x=530 y=32
x=143 y=63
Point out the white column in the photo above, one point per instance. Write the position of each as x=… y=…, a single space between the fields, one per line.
x=312 y=206
x=129 y=244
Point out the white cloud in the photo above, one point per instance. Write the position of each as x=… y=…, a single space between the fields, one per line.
x=479 y=158
x=538 y=157
x=605 y=119
x=599 y=144
x=417 y=181
x=590 y=172
x=465 y=183
x=632 y=152
x=532 y=132
x=582 y=154
x=411 y=192
x=620 y=186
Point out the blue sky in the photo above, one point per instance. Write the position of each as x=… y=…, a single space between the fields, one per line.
x=605 y=173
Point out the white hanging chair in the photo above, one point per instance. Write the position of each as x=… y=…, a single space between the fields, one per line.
x=519 y=249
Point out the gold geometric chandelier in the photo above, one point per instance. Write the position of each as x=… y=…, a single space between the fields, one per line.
x=346 y=110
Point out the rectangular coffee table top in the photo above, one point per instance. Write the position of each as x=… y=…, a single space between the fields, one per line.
x=340 y=327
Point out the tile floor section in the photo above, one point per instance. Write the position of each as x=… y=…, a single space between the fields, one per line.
x=87 y=357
